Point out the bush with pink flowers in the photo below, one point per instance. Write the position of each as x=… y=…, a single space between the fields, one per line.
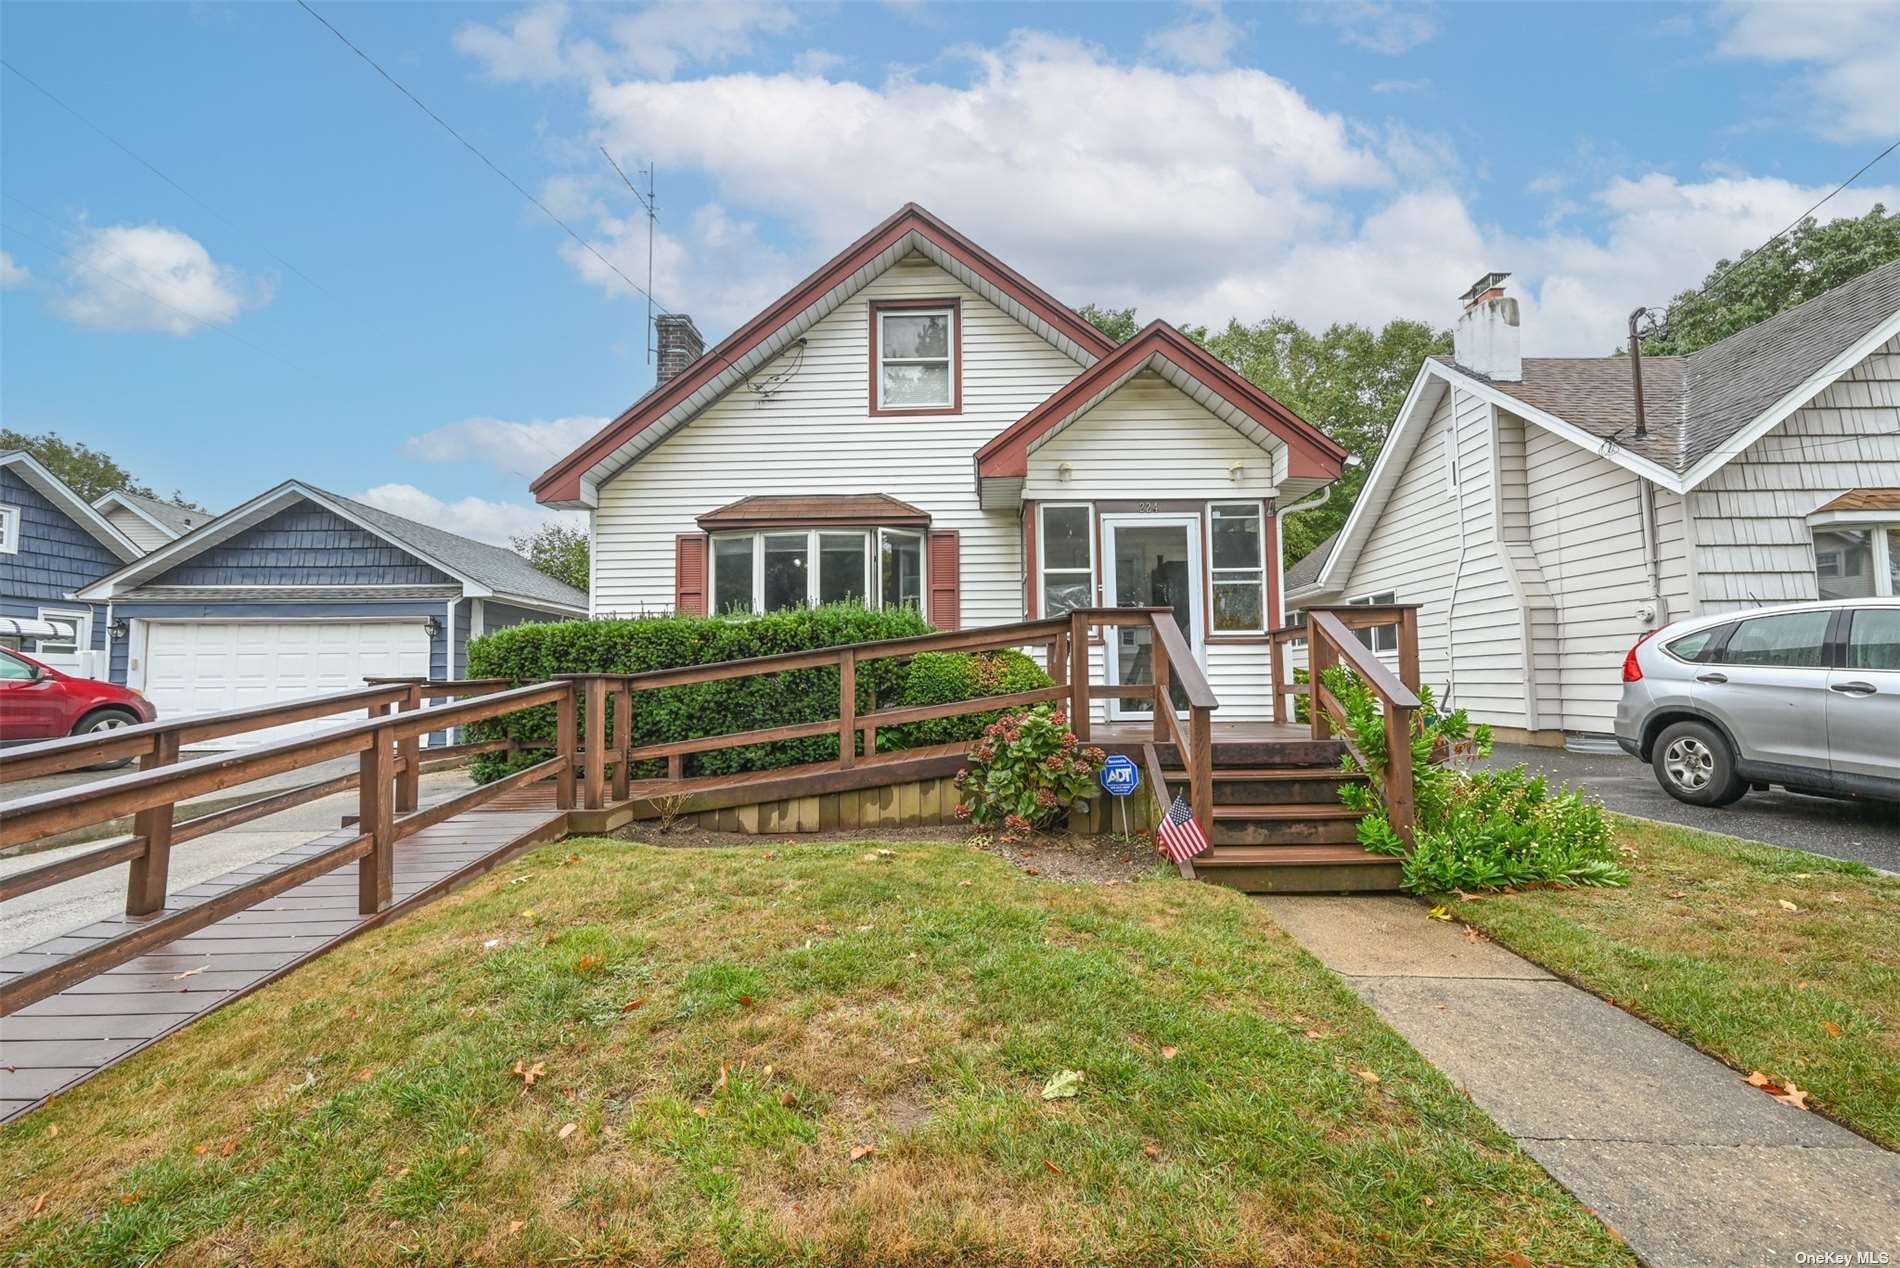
x=1026 y=772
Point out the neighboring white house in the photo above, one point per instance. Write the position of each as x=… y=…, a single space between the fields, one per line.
x=1542 y=535
x=149 y=522
x=918 y=423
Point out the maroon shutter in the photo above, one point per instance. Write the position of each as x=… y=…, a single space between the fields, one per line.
x=689 y=574
x=946 y=578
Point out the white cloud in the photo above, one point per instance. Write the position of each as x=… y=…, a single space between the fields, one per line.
x=1376 y=26
x=1401 y=85
x=485 y=521
x=1852 y=49
x=151 y=278
x=818 y=61
x=660 y=39
x=1202 y=39
x=516 y=449
x=11 y=274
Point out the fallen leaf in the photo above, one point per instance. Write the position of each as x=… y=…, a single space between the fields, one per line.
x=567 y=1129
x=1756 y=1078
x=1518 y=1259
x=1051 y=1167
x=1681 y=893
x=912 y=1060
x=788 y=1098
x=1474 y=935
x=1168 y=1051
x=745 y=1001
x=1429 y=1201
x=701 y=1111
x=528 y=914
x=514 y=1226
x=1032 y=871
x=1785 y=905
x=179 y=977
x=1833 y=1031
x=860 y=1152
x=587 y=964
x=39 y=1203
x=723 y=1073
x=364 y=1076
x=201 y=1149
x=52 y=1131
x=460 y=1150
x=572 y=858
x=230 y=1147
x=638 y=1001
x=1312 y=1034
x=1440 y=912
x=529 y=1073
x=1151 y=1149
x=127 y=1199
x=1367 y=1075
x=1065 y=1083
x=1792 y=1095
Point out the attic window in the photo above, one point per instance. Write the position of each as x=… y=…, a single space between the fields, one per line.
x=915 y=346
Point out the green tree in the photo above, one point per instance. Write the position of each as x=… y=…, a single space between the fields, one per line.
x=559 y=550
x=86 y=471
x=1117 y=323
x=1791 y=270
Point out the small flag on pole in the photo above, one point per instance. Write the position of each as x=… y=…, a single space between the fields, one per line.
x=1181 y=838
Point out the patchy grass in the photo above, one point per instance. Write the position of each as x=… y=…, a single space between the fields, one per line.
x=1768 y=959
x=809 y=1054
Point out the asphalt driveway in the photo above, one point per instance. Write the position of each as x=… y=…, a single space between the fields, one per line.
x=1865 y=831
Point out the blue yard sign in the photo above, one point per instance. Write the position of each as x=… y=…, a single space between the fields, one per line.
x=1120 y=776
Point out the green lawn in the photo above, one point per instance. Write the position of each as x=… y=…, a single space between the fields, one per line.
x=811 y=1053
x=1771 y=960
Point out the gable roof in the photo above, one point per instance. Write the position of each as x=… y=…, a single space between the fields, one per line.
x=1701 y=410
x=1306 y=571
x=168 y=517
x=60 y=494
x=572 y=481
x=485 y=571
x=1211 y=382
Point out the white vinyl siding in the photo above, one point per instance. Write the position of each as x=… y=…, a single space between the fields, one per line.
x=1753 y=543
x=136 y=527
x=816 y=435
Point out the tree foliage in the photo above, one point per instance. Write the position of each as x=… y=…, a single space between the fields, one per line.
x=86 y=471
x=557 y=549
x=1791 y=270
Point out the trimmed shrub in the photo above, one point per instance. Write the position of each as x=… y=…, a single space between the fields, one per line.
x=535 y=653
x=947 y=677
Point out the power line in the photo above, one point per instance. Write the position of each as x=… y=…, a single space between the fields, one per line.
x=149 y=166
x=470 y=147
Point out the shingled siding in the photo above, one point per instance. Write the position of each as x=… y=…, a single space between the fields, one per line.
x=56 y=557
x=303 y=546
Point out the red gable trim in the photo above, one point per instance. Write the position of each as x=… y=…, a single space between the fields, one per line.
x=1312 y=453
x=562 y=481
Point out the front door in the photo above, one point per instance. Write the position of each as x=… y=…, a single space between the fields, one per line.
x=1153 y=561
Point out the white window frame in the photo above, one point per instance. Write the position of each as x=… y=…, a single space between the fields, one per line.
x=82 y=631
x=1214 y=578
x=1382 y=639
x=9 y=530
x=949 y=358
x=1043 y=570
x=870 y=537
x=1881 y=547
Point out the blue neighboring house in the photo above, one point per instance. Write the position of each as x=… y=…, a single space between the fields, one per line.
x=53 y=544
x=300 y=592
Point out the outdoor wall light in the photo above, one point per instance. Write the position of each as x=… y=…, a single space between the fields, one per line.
x=1237 y=472
x=434 y=626
x=118 y=630
x=1065 y=472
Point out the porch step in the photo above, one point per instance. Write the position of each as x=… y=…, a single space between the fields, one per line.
x=1298 y=869
x=1301 y=823
x=1273 y=785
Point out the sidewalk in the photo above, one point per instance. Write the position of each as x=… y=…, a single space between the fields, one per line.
x=1689 y=1164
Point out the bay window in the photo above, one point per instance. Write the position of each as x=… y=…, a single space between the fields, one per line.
x=772 y=570
x=1238 y=535
x=914 y=358
x=1068 y=557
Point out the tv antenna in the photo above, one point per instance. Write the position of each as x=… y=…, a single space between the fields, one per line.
x=653 y=220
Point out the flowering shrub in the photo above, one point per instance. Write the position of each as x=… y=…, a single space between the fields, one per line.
x=1026 y=772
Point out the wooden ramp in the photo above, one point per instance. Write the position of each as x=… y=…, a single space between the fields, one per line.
x=66 y=1038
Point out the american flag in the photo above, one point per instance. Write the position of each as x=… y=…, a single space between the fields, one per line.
x=1179 y=836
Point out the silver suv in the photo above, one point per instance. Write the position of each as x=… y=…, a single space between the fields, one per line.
x=1806 y=696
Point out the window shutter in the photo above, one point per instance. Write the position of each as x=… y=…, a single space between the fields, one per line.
x=689 y=574
x=946 y=589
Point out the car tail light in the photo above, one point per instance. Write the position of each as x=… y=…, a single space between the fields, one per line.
x=1632 y=671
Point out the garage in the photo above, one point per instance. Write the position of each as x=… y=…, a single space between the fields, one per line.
x=194 y=667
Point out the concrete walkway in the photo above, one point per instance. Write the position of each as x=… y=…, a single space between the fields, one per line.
x=1693 y=1167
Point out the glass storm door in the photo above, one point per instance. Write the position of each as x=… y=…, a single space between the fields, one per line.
x=1153 y=561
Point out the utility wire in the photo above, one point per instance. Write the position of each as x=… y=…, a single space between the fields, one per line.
x=149 y=166
x=470 y=147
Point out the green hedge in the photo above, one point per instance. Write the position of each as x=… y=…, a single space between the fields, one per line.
x=535 y=653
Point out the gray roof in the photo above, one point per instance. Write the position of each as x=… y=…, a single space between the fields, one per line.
x=180 y=519
x=1693 y=405
x=1306 y=570
x=497 y=568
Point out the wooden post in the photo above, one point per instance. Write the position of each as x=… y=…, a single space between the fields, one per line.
x=1159 y=657
x=1398 y=770
x=565 y=746
x=409 y=782
x=1079 y=675
x=145 y=888
x=1408 y=648
x=623 y=740
x=595 y=790
x=376 y=816
x=1276 y=665
x=1201 y=767
x=1059 y=659
x=847 y=709
x=1319 y=656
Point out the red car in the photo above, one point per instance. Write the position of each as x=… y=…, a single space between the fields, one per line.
x=37 y=702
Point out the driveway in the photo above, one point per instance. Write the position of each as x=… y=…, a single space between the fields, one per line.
x=1864 y=831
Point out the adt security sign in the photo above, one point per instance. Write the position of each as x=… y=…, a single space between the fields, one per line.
x=1120 y=776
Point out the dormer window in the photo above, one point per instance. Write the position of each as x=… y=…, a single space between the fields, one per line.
x=915 y=346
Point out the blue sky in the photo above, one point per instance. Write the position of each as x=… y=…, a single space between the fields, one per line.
x=346 y=295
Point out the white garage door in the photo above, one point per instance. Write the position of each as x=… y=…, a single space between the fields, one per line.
x=194 y=667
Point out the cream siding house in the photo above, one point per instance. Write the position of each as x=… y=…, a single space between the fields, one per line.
x=917 y=423
x=1768 y=471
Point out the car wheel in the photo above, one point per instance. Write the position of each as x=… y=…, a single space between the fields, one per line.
x=1694 y=764
x=101 y=722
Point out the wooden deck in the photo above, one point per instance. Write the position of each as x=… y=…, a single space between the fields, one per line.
x=68 y=1037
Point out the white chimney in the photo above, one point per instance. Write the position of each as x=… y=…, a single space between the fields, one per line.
x=1485 y=338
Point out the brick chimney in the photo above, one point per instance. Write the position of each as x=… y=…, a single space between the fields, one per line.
x=1486 y=337
x=680 y=342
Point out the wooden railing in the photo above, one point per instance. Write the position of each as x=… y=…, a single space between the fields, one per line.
x=387 y=745
x=1330 y=639
x=610 y=699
